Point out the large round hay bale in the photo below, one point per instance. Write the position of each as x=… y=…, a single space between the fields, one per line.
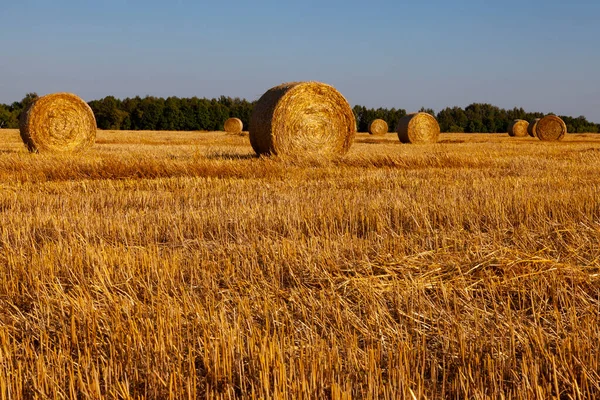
x=378 y=127
x=518 y=128
x=551 y=128
x=532 y=126
x=234 y=125
x=59 y=122
x=418 y=128
x=301 y=119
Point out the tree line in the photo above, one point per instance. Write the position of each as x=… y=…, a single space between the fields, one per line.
x=191 y=114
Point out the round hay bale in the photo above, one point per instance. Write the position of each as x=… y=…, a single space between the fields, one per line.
x=234 y=126
x=532 y=126
x=301 y=119
x=59 y=122
x=551 y=128
x=518 y=128
x=418 y=128
x=378 y=127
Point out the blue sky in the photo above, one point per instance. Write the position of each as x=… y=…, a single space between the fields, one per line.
x=540 y=55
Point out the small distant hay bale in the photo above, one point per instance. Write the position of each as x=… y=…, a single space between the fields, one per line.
x=418 y=128
x=551 y=128
x=532 y=126
x=234 y=126
x=302 y=119
x=518 y=128
x=378 y=127
x=58 y=123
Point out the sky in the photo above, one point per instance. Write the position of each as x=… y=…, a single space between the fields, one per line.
x=539 y=55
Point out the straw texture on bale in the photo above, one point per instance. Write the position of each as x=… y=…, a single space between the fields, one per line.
x=59 y=122
x=234 y=125
x=302 y=119
x=518 y=128
x=532 y=126
x=551 y=128
x=418 y=128
x=378 y=127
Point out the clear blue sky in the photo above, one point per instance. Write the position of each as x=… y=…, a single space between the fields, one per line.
x=541 y=55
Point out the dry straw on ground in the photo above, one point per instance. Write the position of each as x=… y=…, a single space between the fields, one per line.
x=302 y=119
x=531 y=129
x=171 y=265
x=418 y=128
x=234 y=125
x=551 y=128
x=59 y=122
x=518 y=128
x=378 y=127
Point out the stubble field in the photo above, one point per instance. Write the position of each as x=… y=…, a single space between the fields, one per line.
x=179 y=265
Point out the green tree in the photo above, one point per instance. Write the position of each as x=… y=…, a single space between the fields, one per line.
x=453 y=119
x=203 y=115
x=149 y=113
x=154 y=113
x=27 y=100
x=218 y=115
x=358 y=116
x=172 y=117
x=428 y=111
x=7 y=118
x=108 y=113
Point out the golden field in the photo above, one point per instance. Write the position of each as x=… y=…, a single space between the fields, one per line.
x=179 y=265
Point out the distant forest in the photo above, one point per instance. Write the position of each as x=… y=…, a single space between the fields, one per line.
x=191 y=114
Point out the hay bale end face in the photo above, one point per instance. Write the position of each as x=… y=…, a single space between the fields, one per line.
x=234 y=126
x=551 y=128
x=302 y=119
x=532 y=126
x=418 y=128
x=59 y=123
x=518 y=128
x=378 y=127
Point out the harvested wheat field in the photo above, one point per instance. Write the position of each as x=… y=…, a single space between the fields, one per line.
x=181 y=265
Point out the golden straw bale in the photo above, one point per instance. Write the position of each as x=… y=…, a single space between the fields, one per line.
x=418 y=128
x=59 y=122
x=301 y=119
x=532 y=126
x=551 y=128
x=234 y=125
x=518 y=128
x=378 y=127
